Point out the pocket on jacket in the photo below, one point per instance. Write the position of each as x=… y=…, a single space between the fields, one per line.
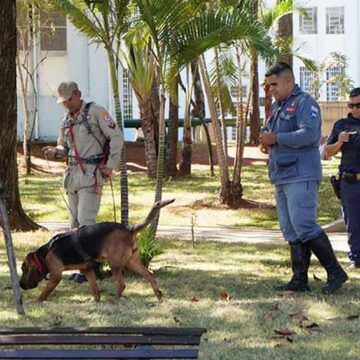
x=286 y=166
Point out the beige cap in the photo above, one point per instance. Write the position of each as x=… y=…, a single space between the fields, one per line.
x=65 y=91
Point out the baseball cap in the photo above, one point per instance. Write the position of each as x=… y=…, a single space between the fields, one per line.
x=65 y=91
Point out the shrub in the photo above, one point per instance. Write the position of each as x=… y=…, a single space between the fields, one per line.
x=149 y=247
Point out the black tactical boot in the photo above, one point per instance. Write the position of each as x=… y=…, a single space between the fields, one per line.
x=300 y=261
x=323 y=250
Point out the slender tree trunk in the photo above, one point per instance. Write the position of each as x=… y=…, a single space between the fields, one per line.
x=223 y=165
x=255 y=119
x=172 y=136
x=8 y=114
x=155 y=104
x=199 y=111
x=161 y=154
x=236 y=186
x=11 y=255
x=268 y=101
x=147 y=125
x=185 y=163
x=123 y=167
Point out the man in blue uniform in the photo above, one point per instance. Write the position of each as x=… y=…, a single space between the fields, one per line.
x=292 y=138
x=345 y=137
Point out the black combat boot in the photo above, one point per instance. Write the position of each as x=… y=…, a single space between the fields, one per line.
x=300 y=262
x=323 y=250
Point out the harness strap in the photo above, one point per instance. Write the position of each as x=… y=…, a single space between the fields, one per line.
x=77 y=155
x=77 y=245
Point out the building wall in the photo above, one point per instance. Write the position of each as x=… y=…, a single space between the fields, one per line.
x=318 y=46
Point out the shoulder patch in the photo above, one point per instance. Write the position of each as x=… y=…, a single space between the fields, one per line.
x=108 y=119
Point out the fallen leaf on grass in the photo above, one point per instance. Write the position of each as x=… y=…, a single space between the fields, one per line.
x=284 y=331
x=298 y=316
x=312 y=326
x=194 y=299
x=177 y=320
x=316 y=278
x=224 y=295
x=348 y=318
x=275 y=306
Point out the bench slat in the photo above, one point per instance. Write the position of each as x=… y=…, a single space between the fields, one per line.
x=104 y=330
x=99 y=340
x=100 y=354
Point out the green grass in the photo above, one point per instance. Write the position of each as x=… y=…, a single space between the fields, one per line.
x=241 y=327
x=196 y=195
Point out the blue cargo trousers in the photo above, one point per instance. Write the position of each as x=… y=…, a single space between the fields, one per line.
x=297 y=206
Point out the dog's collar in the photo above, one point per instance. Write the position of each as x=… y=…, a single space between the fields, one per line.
x=42 y=268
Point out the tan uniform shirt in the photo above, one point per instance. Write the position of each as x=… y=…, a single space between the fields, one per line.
x=88 y=145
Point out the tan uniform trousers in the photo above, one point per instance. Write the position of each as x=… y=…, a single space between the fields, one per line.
x=84 y=206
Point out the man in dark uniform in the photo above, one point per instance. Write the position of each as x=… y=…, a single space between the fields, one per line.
x=345 y=137
x=292 y=138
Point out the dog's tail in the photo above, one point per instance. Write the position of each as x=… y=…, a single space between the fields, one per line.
x=152 y=214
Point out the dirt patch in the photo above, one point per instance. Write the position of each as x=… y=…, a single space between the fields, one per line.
x=136 y=161
x=243 y=204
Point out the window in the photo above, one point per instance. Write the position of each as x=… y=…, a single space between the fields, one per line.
x=53 y=31
x=332 y=90
x=308 y=21
x=127 y=97
x=305 y=79
x=335 y=20
x=234 y=91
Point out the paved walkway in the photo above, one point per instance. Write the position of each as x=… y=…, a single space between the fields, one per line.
x=222 y=234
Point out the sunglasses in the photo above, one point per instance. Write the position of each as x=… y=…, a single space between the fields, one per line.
x=351 y=106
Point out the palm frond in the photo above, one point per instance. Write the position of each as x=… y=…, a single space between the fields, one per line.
x=79 y=18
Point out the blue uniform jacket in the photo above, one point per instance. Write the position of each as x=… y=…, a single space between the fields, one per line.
x=297 y=122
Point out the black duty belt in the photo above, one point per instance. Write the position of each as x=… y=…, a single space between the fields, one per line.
x=350 y=177
x=92 y=160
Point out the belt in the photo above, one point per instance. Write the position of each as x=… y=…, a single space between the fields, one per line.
x=93 y=160
x=350 y=176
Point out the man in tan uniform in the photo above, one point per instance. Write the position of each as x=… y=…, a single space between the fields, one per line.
x=92 y=142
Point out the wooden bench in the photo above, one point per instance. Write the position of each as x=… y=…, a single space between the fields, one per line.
x=100 y=343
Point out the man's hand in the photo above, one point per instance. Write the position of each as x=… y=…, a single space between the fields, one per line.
x=106 y=172
x=264 y=149
x=343 y=137
x=50 y=152
x=267 y=139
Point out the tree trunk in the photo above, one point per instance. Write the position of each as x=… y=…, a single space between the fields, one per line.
x=285 y=31
x=8 y=113
x=236 y=189
x=255 y=110
x=147 y=125
x=199 y=111
x=223 y=164
x=172 y=136
x=155 y=104
x=185 y=163
x=124 y=192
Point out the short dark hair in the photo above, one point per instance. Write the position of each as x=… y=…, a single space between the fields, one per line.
x=278 y=69
x=355 y=92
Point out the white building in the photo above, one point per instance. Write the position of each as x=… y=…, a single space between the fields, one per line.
x=330 y=26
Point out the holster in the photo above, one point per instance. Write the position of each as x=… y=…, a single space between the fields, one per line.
x=335 y=183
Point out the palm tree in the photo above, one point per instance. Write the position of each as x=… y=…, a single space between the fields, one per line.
x=104 y=22
x=141 y=66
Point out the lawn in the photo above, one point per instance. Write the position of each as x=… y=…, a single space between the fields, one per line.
x=196 y=197
x=226 y=288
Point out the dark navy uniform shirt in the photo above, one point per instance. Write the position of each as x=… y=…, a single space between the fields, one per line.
x=350 y=158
